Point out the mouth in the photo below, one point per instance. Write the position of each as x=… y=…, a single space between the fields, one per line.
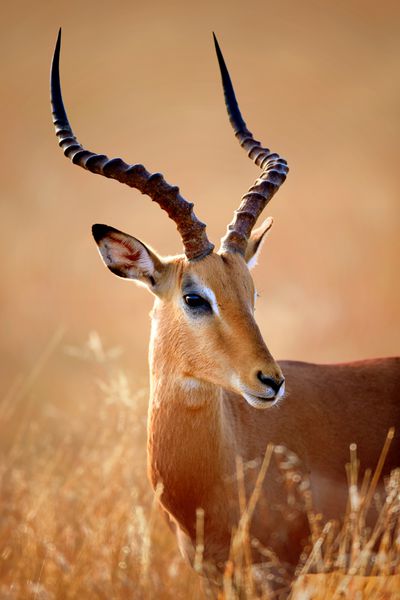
x=263 y=401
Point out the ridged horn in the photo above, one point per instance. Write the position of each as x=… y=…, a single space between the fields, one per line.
x=192 y=231
x=274 y=170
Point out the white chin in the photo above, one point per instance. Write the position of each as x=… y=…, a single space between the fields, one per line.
x=257 y=402
x=263 y=403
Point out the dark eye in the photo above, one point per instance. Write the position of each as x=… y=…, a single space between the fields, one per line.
x=196 y=301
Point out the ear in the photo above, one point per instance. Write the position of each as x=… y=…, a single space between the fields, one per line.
x=127 y=257
x=256 y=241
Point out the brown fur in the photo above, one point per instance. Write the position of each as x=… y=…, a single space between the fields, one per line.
x=199 y=422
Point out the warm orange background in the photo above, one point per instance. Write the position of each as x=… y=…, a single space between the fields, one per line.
x=317 y=81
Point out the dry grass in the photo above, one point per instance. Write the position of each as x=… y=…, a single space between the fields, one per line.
x=351 y=560
x=78 y=518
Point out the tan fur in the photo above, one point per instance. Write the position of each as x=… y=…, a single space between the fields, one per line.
x=195 y=433
x=199 y=421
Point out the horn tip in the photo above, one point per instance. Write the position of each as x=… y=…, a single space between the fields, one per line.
x=58 y=43
x=217 y=48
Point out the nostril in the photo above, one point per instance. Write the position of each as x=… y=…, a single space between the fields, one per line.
x=272 y=383
x=263 y=378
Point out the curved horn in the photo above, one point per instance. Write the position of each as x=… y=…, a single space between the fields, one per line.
x=192 y=231
x=274 y=170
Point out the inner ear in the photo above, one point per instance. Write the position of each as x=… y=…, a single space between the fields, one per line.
x=256 y=241
x=127 y=256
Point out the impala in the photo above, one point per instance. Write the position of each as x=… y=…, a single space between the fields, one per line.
x=216 y=391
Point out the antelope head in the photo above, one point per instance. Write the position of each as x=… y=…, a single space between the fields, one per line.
x=204 y=331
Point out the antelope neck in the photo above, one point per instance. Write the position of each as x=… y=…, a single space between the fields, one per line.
x=189 y=446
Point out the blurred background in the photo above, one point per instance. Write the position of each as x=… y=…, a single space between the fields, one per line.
x=318 y=82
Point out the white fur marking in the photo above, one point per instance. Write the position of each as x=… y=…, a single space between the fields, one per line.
x=254 y=259
x=189 y=383
x=117 y=249
x=210 y=296
x=192 y=387
x=255 y=296
x=281 y=392
x=144 y=263
x=260 y=402
x=207 y=293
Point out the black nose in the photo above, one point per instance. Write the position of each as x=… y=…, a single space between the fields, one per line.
x=272 y=383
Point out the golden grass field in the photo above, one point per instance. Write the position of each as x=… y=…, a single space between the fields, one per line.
x=316 y=81
x=78 y=517
x=79 y=521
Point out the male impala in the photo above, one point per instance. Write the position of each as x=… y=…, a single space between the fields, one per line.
x=216 y=391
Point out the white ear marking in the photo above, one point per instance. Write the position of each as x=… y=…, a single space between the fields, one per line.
x=256 y=242
x=254 y=259
x=126 y=256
